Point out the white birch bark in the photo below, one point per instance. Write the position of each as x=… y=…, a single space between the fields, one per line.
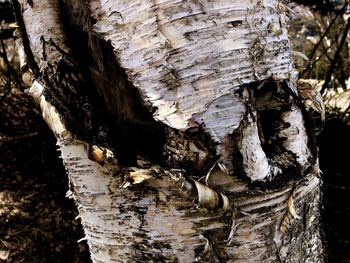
x=190 y=60
x=219 y=68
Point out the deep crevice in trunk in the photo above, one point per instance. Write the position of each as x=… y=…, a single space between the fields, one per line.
x=108 y=98
x=271 y=100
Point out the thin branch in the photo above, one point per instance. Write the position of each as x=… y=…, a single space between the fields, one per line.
x=336 y=57
x=324 y=53
x=10 y=73
x=25 y=41
x=10 y=69
x=313 y=52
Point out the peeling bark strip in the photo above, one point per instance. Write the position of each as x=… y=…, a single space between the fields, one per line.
x=210 y=159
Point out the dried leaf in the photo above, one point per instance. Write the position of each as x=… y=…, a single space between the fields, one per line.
x=4 y=254
x=99 y=154
x=311 y=97
x=291 y=208
x=289 y=217
x=137 y=176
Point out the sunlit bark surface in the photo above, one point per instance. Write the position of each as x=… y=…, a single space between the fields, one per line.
x=180 y=127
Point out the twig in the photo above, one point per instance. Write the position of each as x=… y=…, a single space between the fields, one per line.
x=10 y=70
x=313 y=52
x=336 y=57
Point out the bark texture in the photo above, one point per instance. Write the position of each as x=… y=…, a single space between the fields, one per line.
x=180 y=127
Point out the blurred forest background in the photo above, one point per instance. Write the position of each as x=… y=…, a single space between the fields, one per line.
x=37 y=222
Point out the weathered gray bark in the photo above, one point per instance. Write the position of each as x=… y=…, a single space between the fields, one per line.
x=180 y=127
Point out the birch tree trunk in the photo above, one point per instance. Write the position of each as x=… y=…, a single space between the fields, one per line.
x=180 y=127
